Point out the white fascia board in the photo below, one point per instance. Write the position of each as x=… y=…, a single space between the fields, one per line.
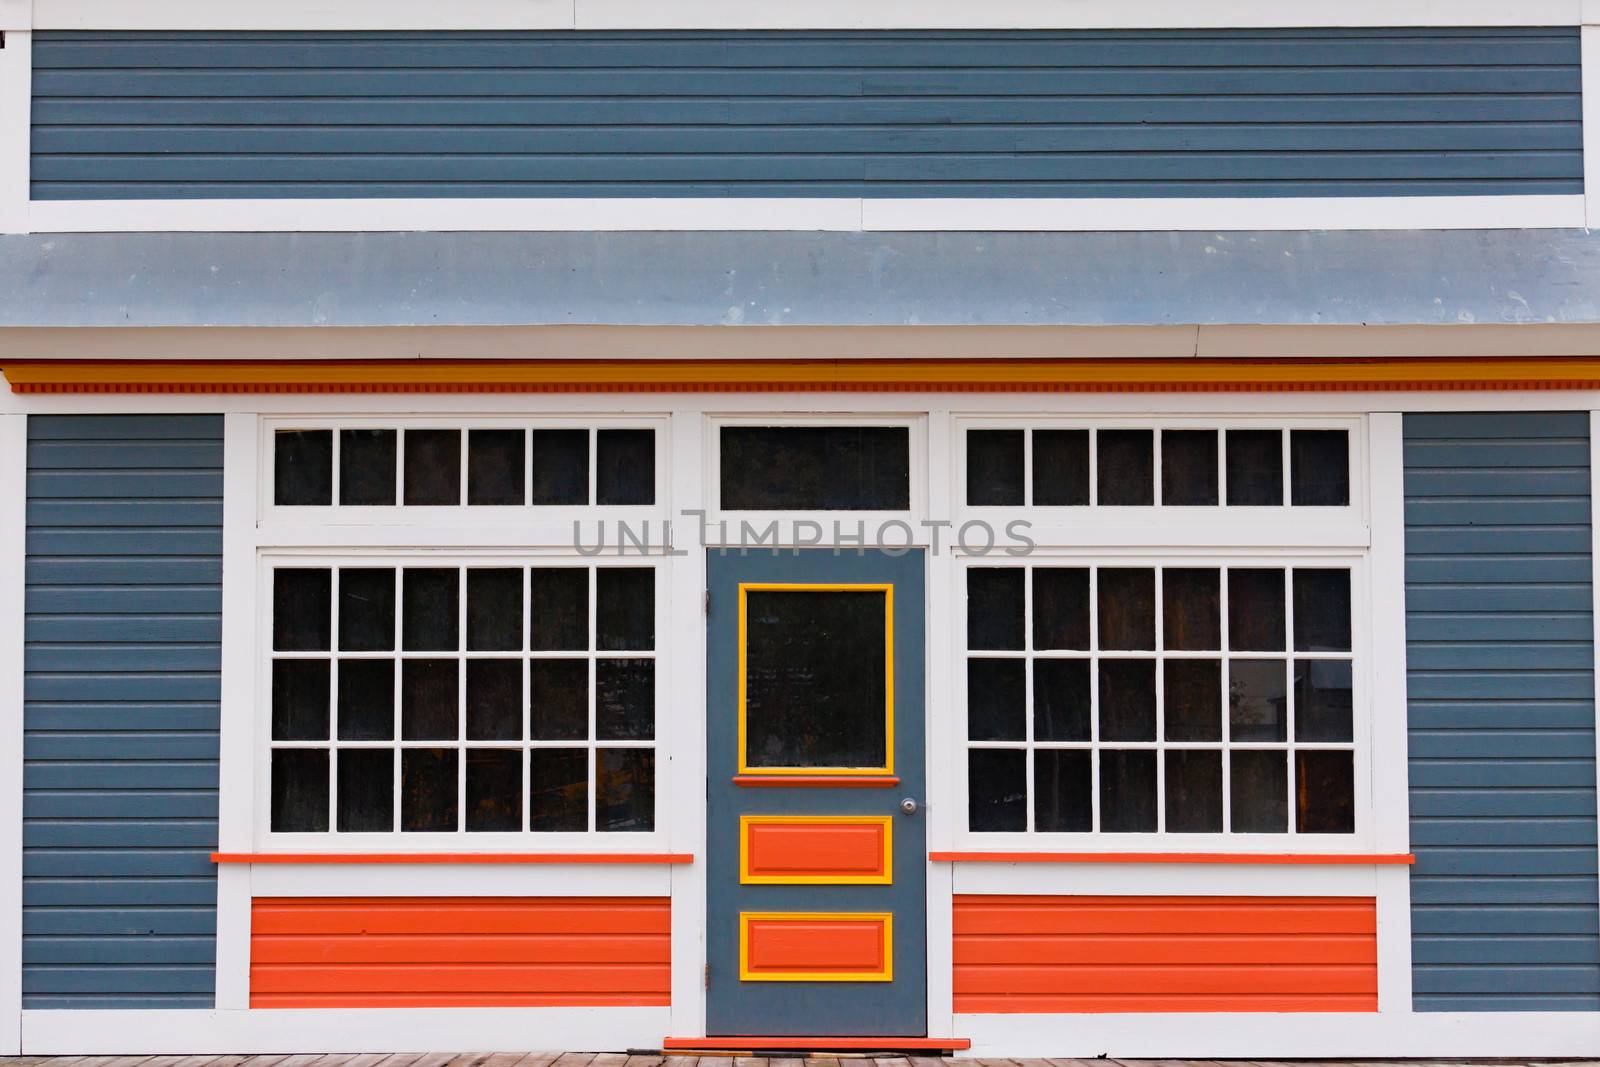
x=16 y=15
x=301 y=15
x=1591 y=12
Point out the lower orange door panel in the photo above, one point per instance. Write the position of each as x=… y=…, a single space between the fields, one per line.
x=816 y=850
x=816 y=947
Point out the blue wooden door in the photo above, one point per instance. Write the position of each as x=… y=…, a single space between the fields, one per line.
x=816 y=850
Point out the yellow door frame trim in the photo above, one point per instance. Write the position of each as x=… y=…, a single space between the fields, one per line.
x=884 y=919
x=885 y=821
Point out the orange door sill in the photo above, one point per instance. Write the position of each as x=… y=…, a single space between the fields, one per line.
x=839 y=1044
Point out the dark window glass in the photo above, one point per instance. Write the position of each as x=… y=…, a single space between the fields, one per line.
x=816 y=468
x=300 y=699
x=428 y=780
x=367 y=467
x=299 y=790
x=625 y=790
x=1194 y=792
x=1061 y=468
x=429 y=616
x=494 y=610
x=1324 y=799
x=625 y=471
x=558 y=789
x=1127 y=791
x=494 y=789
x=1259 y=792
x=366 y=790
x=997 y=789
x=1126 y=466
x=1061 y=607
x=1127 y=608
x=815 y=686
x=1062 y=788
x=1323 y=704
x=496 y=471
x=995 y=597
x=1255 y=610
x=1255 y=467
x=302 y=609
x=625 y=602
x=997 y=700
x=302 y=467
x=625 y=699
x=1188 y=467
x=366 y=699
x=494 y=700
x=1193 y=708
x=428 y=700
x=1321 y=610
x=994 y=468
x=558 y=609
x=366 y=609
x=1061 y=700
x=1319 y=468
x=558 y=699
x=1191 y=609
x=433 y=467
x=560 y=466
x=1258 y=700
x=1127 y=700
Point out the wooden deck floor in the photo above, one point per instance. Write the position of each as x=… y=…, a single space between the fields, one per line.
x=606 y=1059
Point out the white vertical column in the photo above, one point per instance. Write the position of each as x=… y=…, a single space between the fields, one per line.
x=16 y=104
x=1594 y=535
x=13 y=556
x=1591 y=112
x=942 y=678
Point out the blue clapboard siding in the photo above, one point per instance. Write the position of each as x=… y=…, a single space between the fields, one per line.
x=123 y=632
x=885 y=114
x=1500 y=659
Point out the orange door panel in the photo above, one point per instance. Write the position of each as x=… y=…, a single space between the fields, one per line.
x=816 y=850
x=815 y=947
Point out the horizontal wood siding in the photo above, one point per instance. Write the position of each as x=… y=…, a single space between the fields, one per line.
x=1140 y=954
x=122 y=660
x=1336 y=112
x=347 y=952
x=1500 y=661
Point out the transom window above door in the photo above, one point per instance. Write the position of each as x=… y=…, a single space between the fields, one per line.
x=814 y=468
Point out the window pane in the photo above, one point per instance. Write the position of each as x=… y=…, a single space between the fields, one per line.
x=625 y=699
x=1062 y=784
x=1060 y=468
x=429 y=614
x=366 y=790
x=558 y=789
x=366 y=700
x=300 y=699
x=1126 y=467
x=1194 y=792
x=1323 y=703
x=1127 y=792
x=433 y=467
x=1255 y=610
x=626 y=470
x=1127 y=608
x=494 y=610
x=366 y=609
x=997 y=789
x=428 y=783
x=1324 y=792
x=367 y=467
x=995 y=607
x=1061 y=607
x=558 y=699
x=1258 y=700
x=560 y=467
x=625 y=600
x=302 y=467
x=496 y=471
x=494 y=789
x=299 y=790
x=494 y=700
x=815 y=690
x=816 y=468
x=1255 y=467
x=997 y=698
x=1319 y=468
x=625 y=790
x=1191 y=608
x=428 y=700
x=1188 y=467
x=302 y=609
x=1127 y=700
x=1258 y=795
x=994 y=468
x=1321 y=610
x=1193 y=708
x=1061 y=700
x=558 y=609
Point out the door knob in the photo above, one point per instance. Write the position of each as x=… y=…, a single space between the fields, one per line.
x=909 y=806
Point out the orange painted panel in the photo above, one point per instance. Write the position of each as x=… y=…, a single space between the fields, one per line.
x=815 y=947
x=1124 y=954
x=816 y=851
x=316 y=952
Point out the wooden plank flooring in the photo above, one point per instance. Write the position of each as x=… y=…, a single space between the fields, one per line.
x=617 y=1059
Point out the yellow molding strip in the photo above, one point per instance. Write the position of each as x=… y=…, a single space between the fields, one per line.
x=882 y=919
x=884 y=822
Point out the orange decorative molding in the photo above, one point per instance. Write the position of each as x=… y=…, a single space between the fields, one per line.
x=816 y=781
x=452 y=857
x=1274 y=858
x=837 y=1044
x=1066 y=375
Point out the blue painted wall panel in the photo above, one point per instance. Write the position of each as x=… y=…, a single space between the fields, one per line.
x=767 y=113
x=1500 y=661
x=121 y=693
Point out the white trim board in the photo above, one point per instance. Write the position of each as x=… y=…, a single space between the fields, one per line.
x=13 y=556
x=1590 y=52
x=16 y=93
